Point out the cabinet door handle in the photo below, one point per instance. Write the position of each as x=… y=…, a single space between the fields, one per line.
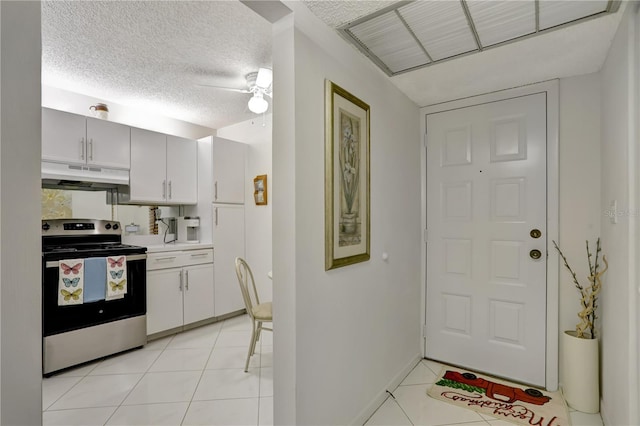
x=186 y=273
x=170 y=190
x=215 y=191
x=164 y=189
x=82 y=149
x=91 y=149
x=199 y=254
x=216 y=211
x=180 y=275
x=165 y=258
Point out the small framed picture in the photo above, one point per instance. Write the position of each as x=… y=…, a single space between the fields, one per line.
x=260 y=190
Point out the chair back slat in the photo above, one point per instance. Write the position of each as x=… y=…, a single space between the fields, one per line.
x=247 y=285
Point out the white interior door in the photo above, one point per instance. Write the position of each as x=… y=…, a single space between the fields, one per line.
x=486 y=197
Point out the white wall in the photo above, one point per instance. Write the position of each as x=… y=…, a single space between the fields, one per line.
x=284 y=230
x=356 y=329
x=20 y=308
x=63 y=100
x=91 y=205
x=619 y=162
x=256 y=133
x=580 y=206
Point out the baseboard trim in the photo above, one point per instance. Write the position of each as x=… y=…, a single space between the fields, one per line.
x=603 y=413
x=379 y=399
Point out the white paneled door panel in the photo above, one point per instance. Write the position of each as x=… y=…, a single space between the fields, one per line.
x=486 y=192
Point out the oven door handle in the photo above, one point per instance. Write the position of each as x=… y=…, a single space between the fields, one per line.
x=56 y=264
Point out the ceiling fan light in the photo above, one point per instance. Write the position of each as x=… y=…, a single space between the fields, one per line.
x=257 y=104
x=264 y=78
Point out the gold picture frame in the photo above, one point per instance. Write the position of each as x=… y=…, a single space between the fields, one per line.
x=260 y=190
x=347 y=178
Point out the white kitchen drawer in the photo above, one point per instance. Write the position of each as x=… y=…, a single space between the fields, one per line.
x=178 y=259
x=197 y=257
x=168 y=259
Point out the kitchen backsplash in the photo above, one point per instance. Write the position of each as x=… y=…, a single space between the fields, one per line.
x=63 y=204
x=56 y=204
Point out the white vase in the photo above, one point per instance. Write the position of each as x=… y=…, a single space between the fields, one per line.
x=580 y=367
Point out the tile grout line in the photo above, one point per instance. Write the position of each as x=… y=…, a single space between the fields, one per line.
x=184 y=416
x=63 y=394
x=138 y=382
x=402 y=409
x=75 y=384
x=160 y=352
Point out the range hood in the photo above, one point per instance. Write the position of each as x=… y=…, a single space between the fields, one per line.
x=66 y=176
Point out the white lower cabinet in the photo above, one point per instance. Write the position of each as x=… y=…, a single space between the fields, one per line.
x=164 y=300
x=179 y=289
x=198 y=294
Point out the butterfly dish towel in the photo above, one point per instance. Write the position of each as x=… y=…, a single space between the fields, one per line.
x=70 y=282
x=116 y=277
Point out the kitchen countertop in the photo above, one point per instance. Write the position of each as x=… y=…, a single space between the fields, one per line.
x=158 y=248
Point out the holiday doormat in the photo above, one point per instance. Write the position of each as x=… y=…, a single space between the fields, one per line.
x=501 y=399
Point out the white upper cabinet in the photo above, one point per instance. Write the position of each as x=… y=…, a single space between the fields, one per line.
x=147 y=177
x=228 y=171
x=63 y=137
x=76 y=139
x=182 y=170
x=164 y=169
x=108 y=144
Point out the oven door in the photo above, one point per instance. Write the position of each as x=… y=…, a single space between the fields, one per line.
x=59 y=319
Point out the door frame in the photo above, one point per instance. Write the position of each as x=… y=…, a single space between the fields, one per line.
x=551 y=88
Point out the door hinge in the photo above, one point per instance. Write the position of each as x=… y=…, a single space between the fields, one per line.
x=425 y=235
x=424 y=141
x=424 y=331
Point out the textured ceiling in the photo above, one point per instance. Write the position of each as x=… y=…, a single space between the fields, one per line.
x=572 y=50
x=336 y=13
x=153 y=54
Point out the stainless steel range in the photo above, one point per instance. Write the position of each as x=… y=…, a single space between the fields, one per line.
x=93 y=292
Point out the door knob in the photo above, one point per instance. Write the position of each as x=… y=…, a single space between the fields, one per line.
x=535 y=233
x=535 y=254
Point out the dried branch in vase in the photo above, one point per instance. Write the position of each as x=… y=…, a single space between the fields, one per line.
x=586 y=328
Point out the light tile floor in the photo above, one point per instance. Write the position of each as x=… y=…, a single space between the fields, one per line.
x=192 y=378
x=197 y=378
x=412 y=406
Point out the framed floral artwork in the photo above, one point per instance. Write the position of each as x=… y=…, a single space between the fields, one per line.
x=347 y=208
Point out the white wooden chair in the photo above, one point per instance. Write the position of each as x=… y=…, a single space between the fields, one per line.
x=259 y=312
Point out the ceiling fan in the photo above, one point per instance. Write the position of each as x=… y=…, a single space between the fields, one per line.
x=258 y=84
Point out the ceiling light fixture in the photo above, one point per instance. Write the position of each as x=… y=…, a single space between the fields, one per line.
x=257 y=103
x=264 y=78
x=259 y=85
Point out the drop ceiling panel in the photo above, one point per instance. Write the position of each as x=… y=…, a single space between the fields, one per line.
x=553 y=12
x=389 y=39
x=498 y=21
x=441 y=27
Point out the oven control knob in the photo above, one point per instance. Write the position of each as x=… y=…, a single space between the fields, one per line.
x=46 y=226
x=115 y=226
x=108 y=226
